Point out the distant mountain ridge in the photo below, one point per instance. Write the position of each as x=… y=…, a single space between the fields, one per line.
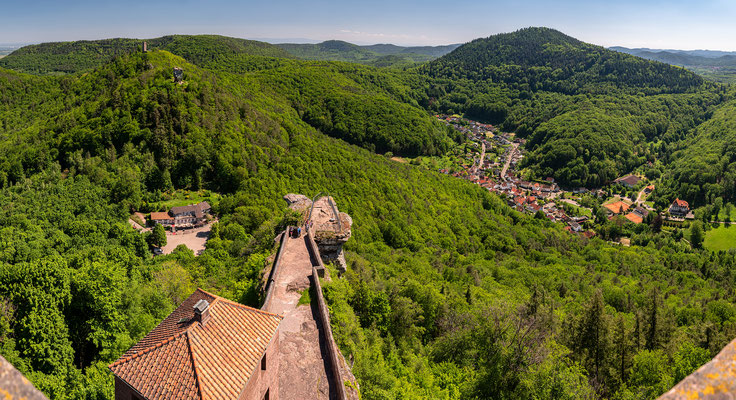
x=337 y=50
x=683 y=57
x=718 y=66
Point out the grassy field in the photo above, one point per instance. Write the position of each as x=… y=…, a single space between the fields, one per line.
x=721 y=238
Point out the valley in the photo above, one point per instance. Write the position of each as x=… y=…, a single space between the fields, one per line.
x=532 y=216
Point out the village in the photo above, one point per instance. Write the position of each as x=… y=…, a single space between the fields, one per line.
x=493 y=165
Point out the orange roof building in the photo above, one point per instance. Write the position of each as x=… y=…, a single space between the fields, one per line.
x=617 y=207
x=681 y=203
x=208 y=348
x=162 y=218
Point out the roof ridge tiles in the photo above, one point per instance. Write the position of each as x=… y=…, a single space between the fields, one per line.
x=194 y=365
x=235 y=303
x=147 y=349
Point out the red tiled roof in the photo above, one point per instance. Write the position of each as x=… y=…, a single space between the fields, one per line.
x=681 y=203
x=158 y=216
x=181 y=359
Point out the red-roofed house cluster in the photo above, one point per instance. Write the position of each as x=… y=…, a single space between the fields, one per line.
x=208 y=348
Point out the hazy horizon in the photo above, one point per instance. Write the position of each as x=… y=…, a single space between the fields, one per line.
x=676 y=24
x=316 y=41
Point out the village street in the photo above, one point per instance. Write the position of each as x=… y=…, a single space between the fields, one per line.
x=515 y=147
x=481 y=160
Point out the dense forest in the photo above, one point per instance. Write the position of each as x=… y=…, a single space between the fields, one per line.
x=449 y=293
x=70 y=57
x=546 y=86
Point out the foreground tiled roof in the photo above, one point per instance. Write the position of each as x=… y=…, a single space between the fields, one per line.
x=181 y=359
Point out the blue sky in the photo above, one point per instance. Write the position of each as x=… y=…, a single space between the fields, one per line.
x=679 y=24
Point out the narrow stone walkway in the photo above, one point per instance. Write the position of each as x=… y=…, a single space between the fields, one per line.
x=303 y=363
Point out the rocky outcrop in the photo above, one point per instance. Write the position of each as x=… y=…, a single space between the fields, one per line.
x=298 y=202
x=330 y=228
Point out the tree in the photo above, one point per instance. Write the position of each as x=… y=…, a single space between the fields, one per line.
x=652 y=334
x=621 y=343
x=687 y=359
x=157 y=237
x=717 y=206
x=657 y=223
x=696 y=235
x=593 y=332
x=650 y=373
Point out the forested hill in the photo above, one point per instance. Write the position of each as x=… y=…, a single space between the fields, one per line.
x=704 y=167
x=589 y=114
x=376 y=55
x=71 y=57
x=546 y=59
x=449 y=293
x=334 y=50
x=684 y=57
x=432 y=51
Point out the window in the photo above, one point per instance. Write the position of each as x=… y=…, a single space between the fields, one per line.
x=263 y=363
x=266 y=396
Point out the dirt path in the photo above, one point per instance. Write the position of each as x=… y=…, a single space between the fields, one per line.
x=303 y=362
x=641 y=197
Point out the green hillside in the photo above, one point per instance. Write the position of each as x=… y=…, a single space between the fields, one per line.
x=589 y=114
x=717 y=66
x=379 y=55
x=72 y=57
x=449 y=293
x=704 y=166
x=549 y=60
x=333 y=50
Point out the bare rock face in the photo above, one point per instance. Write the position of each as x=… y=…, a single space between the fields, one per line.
x=298 y=202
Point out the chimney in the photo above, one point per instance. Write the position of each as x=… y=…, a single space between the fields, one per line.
x=145 y=47
x=202 y=312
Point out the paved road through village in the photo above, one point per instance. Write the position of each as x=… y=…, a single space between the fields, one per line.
x=515 y=147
